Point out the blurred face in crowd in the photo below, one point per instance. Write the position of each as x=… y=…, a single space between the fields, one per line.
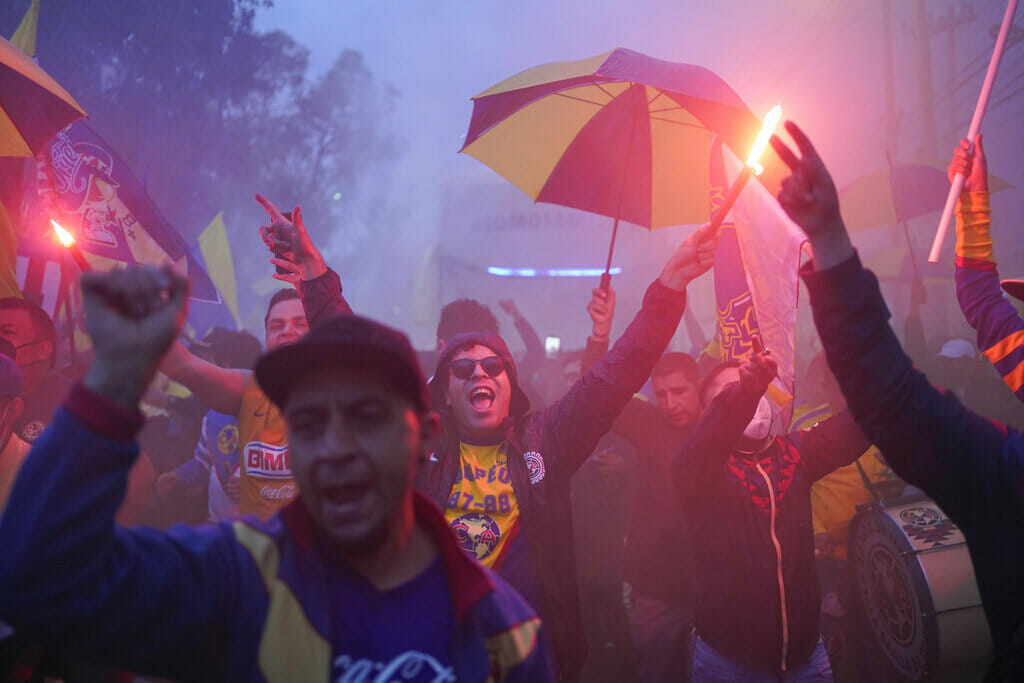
x=354 y=441
x=32 y=354
x=480 y=400
x=677 y=397
x=286 y=322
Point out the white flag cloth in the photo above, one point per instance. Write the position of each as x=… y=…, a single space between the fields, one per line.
x=770 y=244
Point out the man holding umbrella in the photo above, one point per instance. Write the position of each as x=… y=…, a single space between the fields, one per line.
x=502 y=473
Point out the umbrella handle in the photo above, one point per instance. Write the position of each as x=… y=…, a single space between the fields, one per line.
x=606 y=281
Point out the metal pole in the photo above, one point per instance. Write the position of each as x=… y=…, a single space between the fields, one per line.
x=606 y=276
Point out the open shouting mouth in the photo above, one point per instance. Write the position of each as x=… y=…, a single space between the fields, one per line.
x=481 y=398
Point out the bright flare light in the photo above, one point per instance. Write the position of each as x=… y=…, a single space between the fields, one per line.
x=770 y=121
x=68 y=240
x=65 y=237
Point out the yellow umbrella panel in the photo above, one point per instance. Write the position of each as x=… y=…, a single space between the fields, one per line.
x=33 y=106
x=620 y=134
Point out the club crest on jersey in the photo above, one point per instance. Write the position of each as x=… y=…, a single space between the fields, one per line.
x=477 y=534
x=227 y=439
x=31 y=431
x=534 y=465
x=266 y=460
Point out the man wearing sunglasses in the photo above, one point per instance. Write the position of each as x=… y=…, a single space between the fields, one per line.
x=502 y=473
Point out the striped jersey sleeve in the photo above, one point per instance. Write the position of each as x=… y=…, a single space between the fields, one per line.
x=999 y=328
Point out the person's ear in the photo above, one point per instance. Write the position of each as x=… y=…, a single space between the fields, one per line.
x=47 y=347
x=430 y=432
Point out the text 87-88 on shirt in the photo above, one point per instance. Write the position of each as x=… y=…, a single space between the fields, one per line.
x=266 y=475
x=482 y=510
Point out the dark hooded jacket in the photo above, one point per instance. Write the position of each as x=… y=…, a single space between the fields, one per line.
x=971 y=466
x=547 y=447
x=749 y=522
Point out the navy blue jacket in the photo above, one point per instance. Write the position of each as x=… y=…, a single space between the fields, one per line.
x=971 y=466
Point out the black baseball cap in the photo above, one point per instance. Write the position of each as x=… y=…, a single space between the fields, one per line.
x=343 y=341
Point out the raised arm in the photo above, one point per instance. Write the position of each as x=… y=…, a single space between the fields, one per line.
x=579 y=419
x=602 y=311
x=714 y=437
x=927 y=436
x=999 y=328
x=534 y=356
x=218 y=388
x=831 y=444
x=298 y=262
x=138 y=598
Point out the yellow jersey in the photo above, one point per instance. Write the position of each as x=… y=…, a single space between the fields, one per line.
x=265 y=472
x=482 y=510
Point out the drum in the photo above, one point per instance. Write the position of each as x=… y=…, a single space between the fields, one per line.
x=913 y=577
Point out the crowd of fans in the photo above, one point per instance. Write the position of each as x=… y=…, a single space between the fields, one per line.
x=356 y=510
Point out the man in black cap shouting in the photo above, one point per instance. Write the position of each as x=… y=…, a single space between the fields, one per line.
x=359 y=578
x=502 y=473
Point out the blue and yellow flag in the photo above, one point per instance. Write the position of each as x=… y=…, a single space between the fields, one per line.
x=87 y=188
x=737 y=322
x=213 y=252
x=24 y=37
x=756 y=280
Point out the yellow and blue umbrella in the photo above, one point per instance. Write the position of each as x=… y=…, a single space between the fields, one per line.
x=33 y=106
x=620 y=134
x=897 y=193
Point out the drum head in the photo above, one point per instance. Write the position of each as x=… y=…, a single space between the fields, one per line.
x=893 y=591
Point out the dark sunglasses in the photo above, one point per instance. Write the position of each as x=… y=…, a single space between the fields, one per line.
x=463 y=368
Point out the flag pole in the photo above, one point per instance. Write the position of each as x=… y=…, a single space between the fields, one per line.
x=972 y=132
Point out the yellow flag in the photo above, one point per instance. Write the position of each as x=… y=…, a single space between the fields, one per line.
x=25 y=37
x=216 y=251
x=8 y=256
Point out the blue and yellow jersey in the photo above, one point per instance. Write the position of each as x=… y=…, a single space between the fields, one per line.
x=1000 y=329
x=482 y=510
